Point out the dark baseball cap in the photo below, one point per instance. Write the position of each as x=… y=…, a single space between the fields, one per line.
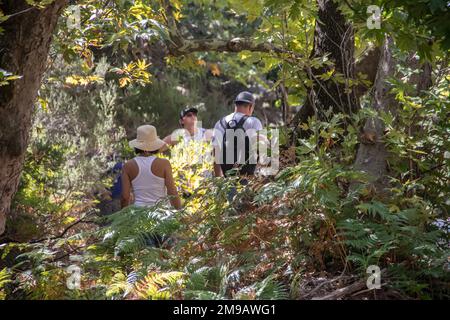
x=187 y=110
x=245 y=96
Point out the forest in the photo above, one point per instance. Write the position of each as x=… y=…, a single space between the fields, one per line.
x=354 y=96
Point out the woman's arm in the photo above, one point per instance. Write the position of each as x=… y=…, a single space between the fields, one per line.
x=169 y=142
x=216 y=167
x=171 y=188
x=218 y=170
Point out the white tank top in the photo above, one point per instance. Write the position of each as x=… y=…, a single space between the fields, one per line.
x=147 y=188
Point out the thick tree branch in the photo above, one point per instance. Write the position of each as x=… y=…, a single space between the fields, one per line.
x=177 y=45
x=232 y=45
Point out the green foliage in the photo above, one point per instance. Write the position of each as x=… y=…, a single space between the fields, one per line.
x=132 y=227
x=73 y=143
x=416 y=26
x=161 y=102
x=431 y=15
x=4 y=279
x=191 y=162
x=318 y=214
x=159 y=285
x=5 y=76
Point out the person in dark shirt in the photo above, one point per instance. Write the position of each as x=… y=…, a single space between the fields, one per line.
x=116 y=189
x=110 y=201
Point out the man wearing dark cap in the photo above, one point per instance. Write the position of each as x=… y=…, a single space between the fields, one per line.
x=240 y=119
x=190 y=131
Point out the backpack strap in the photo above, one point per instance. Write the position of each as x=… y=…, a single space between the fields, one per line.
x=241 y=122
x=222 y=123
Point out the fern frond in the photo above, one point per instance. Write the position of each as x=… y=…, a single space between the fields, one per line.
x=5 y=278
x=132 y=228
x=269 y=289
x=157 y=286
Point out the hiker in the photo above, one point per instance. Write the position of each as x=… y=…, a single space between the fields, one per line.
x=116 y=188
x=147 y=176
x=189 y=131
x=112 y=203
x=240 y=120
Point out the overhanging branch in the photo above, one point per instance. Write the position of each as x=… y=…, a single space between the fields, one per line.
x=178 y=46
x=232 y=45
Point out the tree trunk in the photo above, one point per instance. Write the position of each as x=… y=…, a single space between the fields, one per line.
x=372 y=153
x=333 y=36
x=424 y=82
x=367 y=65
x=24 y=48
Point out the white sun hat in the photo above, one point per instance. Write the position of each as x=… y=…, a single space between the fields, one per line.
x=147 y=139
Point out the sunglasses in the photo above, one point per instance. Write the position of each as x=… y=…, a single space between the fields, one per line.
x=190 y=114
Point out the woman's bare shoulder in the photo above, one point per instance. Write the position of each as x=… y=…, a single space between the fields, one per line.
x=162 y=162
x=130 y=164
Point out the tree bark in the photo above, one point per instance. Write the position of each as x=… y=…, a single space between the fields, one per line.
x=24 y=48
x=372 y=153
x=367 y=65
x=217 y=45
x=334 y=37
x=424 y=82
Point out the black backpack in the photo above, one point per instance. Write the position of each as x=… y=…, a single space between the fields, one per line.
x=243 y=169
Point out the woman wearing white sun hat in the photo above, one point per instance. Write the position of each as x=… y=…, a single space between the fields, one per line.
x=147 y=176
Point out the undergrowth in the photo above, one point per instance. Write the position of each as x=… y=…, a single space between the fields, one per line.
x=318 y=216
